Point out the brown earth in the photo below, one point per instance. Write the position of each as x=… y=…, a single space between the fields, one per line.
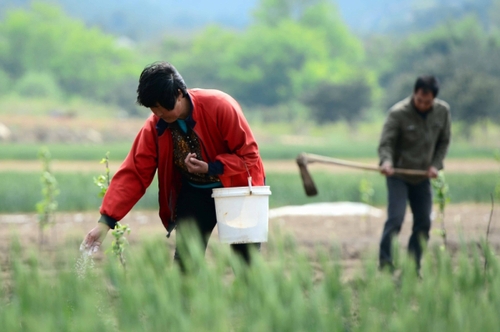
x=357 y=237
x=284 y=166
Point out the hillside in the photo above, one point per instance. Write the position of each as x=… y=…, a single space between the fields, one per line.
x=144 y=19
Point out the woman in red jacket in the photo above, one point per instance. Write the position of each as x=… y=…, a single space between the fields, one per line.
x=196 y=140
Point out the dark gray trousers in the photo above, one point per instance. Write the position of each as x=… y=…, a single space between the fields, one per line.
x=420 y=199
x=196 y=207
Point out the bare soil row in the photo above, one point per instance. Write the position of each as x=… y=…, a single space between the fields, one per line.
x=274 y=166
x=356 y=237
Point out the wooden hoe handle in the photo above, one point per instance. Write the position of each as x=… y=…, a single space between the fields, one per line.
x=308 y=158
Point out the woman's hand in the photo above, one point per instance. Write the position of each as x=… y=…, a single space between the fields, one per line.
x=94 y=238
x=194 y=165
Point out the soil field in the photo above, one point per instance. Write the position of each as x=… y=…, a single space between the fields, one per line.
x=283 y=166
x=357 y=237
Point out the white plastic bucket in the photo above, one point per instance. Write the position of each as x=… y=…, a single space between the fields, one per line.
x=242 y=213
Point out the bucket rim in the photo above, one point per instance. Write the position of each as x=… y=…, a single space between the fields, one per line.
x=241 y=191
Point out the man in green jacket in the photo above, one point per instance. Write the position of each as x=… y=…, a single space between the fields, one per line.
x=416 y=135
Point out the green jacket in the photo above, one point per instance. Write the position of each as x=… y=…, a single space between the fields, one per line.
x=412 y=141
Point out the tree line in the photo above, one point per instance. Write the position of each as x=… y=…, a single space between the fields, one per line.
x=296 y=59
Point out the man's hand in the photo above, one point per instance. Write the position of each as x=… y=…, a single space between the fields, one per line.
x=194 y=165
x=94 y=238
x=387 y=168
x=432 y=172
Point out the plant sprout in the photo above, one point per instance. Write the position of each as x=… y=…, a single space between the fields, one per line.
x=48 y=205
x=118 y=244
x=441 y=198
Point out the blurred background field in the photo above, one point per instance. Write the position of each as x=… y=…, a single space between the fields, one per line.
x=91 y=139
x=313 y=76
x=301 y=62
x=20 y=191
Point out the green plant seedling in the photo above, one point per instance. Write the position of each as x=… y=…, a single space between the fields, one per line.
x=48 y=205
x=441 y=198
x=366 y=191
x=119 y=242
x=102 y=181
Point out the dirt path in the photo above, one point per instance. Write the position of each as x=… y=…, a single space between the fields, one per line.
x=355 y=236
x=284 y=166
x=451 y=166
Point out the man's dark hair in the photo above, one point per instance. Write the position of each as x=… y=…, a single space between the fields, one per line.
x=159 y=84
x=427 y=84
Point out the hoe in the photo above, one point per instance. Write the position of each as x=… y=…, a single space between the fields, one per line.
x=304 y=159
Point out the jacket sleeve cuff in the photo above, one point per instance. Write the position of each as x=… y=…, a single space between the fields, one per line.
x=107 y=220
x=438 y=165
x=383 y=160
x=215 y=168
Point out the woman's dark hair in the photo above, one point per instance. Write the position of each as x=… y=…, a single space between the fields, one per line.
x=428 y=84
x=159 y=84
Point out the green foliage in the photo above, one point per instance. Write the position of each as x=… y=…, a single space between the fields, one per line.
x=34 y=85
x=81 y=61
x=441 y=198
x=479 y=101
x=335 y=102
x=119 y=242
x=455 y=293
x=271 y=76
x=205 y=60
x=18 y=192
x=294 y=51
x=62 y=151
x=270 y=12
x=276 y=62
x=441 y=191
x=366 y=191
x=432 y=13
x=78 y=192
x=47 y=207
x=276 y=141
x=462 y=55
x=345 y=187
x=5 y=82
x=103 y=181
x=495 y=14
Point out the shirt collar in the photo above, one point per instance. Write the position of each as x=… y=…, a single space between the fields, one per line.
x=422 y=114
x=162 y=125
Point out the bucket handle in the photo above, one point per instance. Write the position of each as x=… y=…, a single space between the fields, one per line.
x=249 y=179
x=250 y=184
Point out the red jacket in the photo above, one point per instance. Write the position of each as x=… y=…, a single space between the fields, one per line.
x=224 y=135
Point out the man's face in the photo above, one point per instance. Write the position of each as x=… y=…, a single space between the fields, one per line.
x=423 y=100
x=170 y=116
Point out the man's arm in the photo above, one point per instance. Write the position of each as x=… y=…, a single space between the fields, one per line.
x=442 y=144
